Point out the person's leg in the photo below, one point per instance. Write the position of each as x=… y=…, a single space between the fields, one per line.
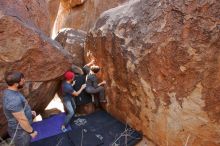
x=70 y=112
x=21 y=138
x=74 y=107
x=100 y=90
x=73 y=104
x=25 y=139
x=96 y=101
x=102 y=95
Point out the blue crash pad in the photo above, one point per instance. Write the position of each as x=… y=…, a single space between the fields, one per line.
x=97 y=129
x=49 y=127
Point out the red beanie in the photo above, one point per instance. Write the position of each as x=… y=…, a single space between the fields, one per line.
x=69 y=75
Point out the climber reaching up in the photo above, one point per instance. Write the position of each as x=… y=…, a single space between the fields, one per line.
x=84 y=99
x=86 y=68
x=68 y=93
x=92 y=85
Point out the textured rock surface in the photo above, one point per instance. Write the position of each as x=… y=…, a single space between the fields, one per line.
x=73 y=41
x=161 y=62
x=24 y=47
x=34 y=13
x=27 y=49
x=53 y=7
x=145 y=142
x=82 y=16
x=51 y=112
x=69 y=4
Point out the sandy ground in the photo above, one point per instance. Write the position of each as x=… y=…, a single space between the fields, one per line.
x=55 y=103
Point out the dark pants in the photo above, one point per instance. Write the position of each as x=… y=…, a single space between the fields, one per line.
x=22 y=138
x=100 y=91
x=70 y=107
x=84 y=97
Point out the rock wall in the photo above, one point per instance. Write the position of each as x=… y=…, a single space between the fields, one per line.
x=53 y=7
x=81 y=14
x=69 y=4
x=73 y=41
x=34 y=13
x=25 y=47
x=161 y=62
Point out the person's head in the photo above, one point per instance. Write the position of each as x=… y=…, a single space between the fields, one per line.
x=69 y=76
x=15 y=79
x=95 y=68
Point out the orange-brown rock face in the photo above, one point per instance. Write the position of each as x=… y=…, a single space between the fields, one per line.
x=24 y=47
x=34 y=13
x=162 y=65
x=82 y=14
x=73 y=41
x=69 y=4
x=27 y=49
x=53 y=7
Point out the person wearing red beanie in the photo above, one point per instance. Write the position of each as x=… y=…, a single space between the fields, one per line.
x=68 y=94
x=69 y=75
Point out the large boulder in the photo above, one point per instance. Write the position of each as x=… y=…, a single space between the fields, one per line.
x=73 y=40
x=34 y=13
x=162 y=66
x=81 y=14
x=25 y=47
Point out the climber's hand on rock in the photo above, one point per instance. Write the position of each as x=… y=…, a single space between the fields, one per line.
x=93 y=61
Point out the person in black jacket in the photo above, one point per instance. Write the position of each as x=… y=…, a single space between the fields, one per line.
x=92 y=85
x=80 y=79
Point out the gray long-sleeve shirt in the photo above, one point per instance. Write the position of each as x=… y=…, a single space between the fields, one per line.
x=91 y=79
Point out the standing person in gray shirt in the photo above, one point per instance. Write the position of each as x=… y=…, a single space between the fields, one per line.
x=17 y=110
x=92 y=85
